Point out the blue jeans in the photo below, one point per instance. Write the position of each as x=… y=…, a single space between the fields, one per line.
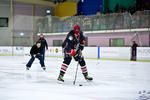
x=29 y=64
x=43 y=53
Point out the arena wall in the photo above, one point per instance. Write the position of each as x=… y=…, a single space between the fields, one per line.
x=119 y=53
x=102 y=39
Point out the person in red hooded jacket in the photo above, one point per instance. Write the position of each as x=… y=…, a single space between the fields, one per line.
x=73 y=46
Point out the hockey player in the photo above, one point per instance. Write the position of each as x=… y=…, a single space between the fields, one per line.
x=73 y=46
x=36 y=52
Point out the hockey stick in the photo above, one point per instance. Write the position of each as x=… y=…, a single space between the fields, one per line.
x=74 y=82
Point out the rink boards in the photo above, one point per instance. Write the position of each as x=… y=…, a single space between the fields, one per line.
x=122 y=53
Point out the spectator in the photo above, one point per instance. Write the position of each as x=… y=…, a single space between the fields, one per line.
x=134 y=48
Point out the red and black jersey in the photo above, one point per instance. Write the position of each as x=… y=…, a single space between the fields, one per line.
x=71 y=42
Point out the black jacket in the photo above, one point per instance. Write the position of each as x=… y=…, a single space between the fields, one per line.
x=34 y=50
x=134 y=46
x=71 y=42
x=43 y=43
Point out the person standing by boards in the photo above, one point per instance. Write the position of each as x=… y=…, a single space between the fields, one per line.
x=133 y=50
x=73 y=46
x=43 y=44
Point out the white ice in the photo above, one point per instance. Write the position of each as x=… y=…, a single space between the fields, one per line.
x=113 y=80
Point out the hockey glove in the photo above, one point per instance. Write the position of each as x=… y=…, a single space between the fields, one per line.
x=77 y=56
x=72 y=52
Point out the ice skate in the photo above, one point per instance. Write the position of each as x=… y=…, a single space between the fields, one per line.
x=88 y=78
x=60 y=78
x=27 y=68
x=44 y=68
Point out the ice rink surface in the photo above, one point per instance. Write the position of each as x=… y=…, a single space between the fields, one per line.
x=113 y=80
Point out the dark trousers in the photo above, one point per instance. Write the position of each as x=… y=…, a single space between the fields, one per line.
x=43 y=53
x=68 y=58
x=133 y=56
x=29 y=64
x=67 y=61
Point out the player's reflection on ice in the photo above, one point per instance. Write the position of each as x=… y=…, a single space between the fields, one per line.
x=35 y=75
x=28 y=75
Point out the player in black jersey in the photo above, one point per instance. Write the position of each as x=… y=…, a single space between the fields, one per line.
x=73 y=46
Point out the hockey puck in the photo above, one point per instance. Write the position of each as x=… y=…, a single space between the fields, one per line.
x=80 y=85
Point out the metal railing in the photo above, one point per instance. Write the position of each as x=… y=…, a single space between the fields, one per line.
x=114 y=21
x=24 y=28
